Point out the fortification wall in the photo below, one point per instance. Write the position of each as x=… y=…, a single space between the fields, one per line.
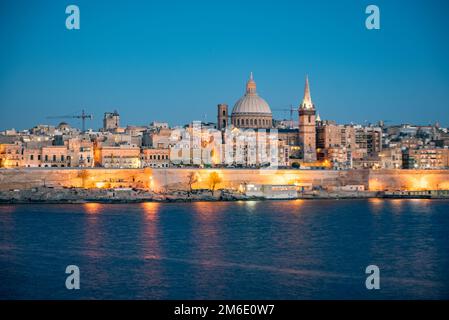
x=174 y=178
x=408 y=180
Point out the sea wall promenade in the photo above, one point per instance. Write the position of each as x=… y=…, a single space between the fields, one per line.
x=171 y=179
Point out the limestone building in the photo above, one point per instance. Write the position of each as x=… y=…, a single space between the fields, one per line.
x=251 y=111
x=307 y=126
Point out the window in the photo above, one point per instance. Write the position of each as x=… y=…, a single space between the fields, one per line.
x=46 y=157
x=39 y=157
x=224 y=112
x=54 y=157
x=32 y=157
x=62 y=158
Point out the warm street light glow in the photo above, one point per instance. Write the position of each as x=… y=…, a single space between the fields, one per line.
x=100 y=185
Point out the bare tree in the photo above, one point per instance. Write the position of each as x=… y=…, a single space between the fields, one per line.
x=191 y=179
x=214 y=180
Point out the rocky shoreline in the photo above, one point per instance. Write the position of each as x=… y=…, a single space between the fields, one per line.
x=49 y=195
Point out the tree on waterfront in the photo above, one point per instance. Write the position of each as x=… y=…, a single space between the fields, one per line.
x=191 y=179
x=214 y=180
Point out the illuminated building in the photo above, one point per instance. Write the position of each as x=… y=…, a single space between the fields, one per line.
x=54 y=156
x=307 y=126
x=122 y=156
x=426 y=158
x=155 y=158
x=251 y=111
x=11 y=155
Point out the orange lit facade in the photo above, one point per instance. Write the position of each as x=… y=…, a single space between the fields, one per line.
x=155 y=157
x=80 y=153
x=11 y=155
x=118 y=156
x=55 y=157
x=426 y=158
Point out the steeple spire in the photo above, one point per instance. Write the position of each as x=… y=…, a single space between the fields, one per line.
x=307 y=101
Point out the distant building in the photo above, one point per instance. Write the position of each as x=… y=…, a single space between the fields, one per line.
x=426 y=158
x=11 y=155
x=55 y=156
x=369 y=139
x=123 y=156
x=155 y=158
x=391 y=158
x=159 y=125
x=111 y=121
x=222 y=116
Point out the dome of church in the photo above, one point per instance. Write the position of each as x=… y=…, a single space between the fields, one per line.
x=251 y=103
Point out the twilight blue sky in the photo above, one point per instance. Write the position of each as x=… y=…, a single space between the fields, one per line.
x=176 y=60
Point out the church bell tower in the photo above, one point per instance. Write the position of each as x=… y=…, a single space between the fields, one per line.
x=307 y=126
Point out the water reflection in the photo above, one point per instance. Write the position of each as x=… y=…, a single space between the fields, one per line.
x=208 y=244
x=251 y=205
x=93 y=235
x=151 y=210
x=151 y=237
x=421 y=205
x=7 y=209
x=224 y=250
x=397 y=205
x=92 y=207
x=376 y=204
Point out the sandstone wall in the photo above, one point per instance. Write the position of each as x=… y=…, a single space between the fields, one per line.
x=171 y=179
x=408 y=180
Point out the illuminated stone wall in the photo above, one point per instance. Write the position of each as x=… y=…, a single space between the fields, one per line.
x=408 y=180
x=177 y=179
x=233 y=178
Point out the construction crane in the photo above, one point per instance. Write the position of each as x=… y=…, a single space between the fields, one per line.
x=83 y=116
x=291 y=110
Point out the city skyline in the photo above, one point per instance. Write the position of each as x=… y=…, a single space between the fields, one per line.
x=188 y=60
